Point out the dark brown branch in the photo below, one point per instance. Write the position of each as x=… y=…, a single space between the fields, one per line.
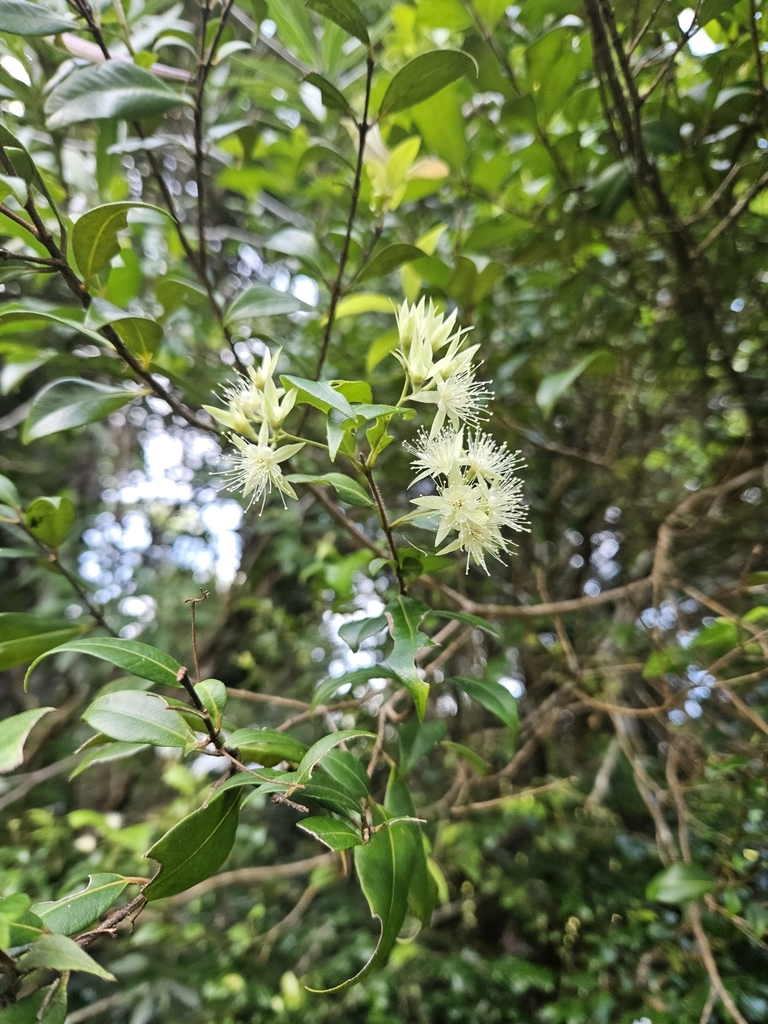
x=182 y=676
x=381 y=508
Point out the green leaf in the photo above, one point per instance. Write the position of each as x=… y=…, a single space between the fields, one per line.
x=331 y=794
x=354 y=632
x=494 y=697
x=94 y=236
x=25 y=929
x=194 y=848
x=13 y=736
x=318 y=750
x=72 y=402
x=346 y=769
x=477 y=762
x=25 y=637
x=318 y=394
x=417 y=739
x=422 y=890
x=295 y=242
x=139 y=659
x=77 y=912
x=384 y=868
x=389 y=259
x=266 y=746
x=333 y=98
x=19 y=18
x=380 y=349
x=107 y=752
x=61 y=954
x=50 y=520
x=680 y=883
x=348 y=490
x=337 y=835
x=261 y=300
x=470 y=620
x=136 y=717
x=554 y=385
x=423 y=76
x=328 y=687
x=114 y=89
x=364 y=302
x=345 y=14
x=8 y=493
x=213 y=694
x=405 y=615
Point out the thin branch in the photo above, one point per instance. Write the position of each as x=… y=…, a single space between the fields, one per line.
x=268 y=939
x=32 y=779
x=602 y=781
x=381 y=508
x=500 y=802
x=182 y=676
x=733 y=214
x=707 y=958
x=193 y=602
x=109 y=926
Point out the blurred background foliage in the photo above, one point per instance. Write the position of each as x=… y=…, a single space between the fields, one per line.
x=594 y=203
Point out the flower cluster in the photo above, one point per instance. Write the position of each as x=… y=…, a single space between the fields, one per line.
x=478 y=493
x=258 y=401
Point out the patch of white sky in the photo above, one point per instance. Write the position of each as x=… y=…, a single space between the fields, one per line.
x=700 y=43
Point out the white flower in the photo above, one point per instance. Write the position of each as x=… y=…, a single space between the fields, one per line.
x=436 y=456
x=505 y=504
x=275 y=411
x=423 y=332
x=459 y=398
x=267 y=369
x=489 y=460
x=256 y=467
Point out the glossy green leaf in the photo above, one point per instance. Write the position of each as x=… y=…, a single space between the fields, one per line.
x=318 y=394
x=384 y=868
x=354 y=632
x=330 y=794
x=417 y=739
x=405 y=615
x=213 y=694
x=332 y=97
x=61 y=954
x=266 y=746
x=335 y=834
x=680 y=883
x=72 y=402
x=13 y=736
x=20 y=18
x=494 y=697
x=79 y=911
x=25 y=929
x=139 y=659
x=345 y=768
x=50 y=520
x=423 y=76
x=555 y=385
x=136 y=717
x=318 y=750
x=469 y=620
x=107 y=752
x=328 y=688
x=345 y=14
x=194 y=848
x=261 y=300
x=94 y=236
x=348 y=490
x=389 y=259
x=422 y=890
x=24 y=637
x=114 y=89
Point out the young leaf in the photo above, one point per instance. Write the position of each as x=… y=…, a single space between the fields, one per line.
x=24 y=637
x=107 y=752
x=405 y=614
x=77 y=912
x=389 y=259
x=136 y=717
x=139 y=659
x=213 y=694
x=354 y=632
x=384 y=868
x=72 y=402
x=470 y=620
x=50 y=520
x=345 y=14
x=348 y=490
x=423 y=76
x=332 y=97
x=114 y=89
x=194 y=848
x=680 y=883
x=261 y=300
x=94 y=236
x=328 y=687
x=337 y=835
x=494 y=697
x=416 y=740
x=318 y=750
x=20 y=18
x=61 y=954
x=13 y=736
x=266 y=746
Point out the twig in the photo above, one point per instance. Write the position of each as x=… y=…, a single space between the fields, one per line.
x=384 y=714
x=462 y=810
x=733 y=214
x=268 y=939
x=707 y=958
x=182 y=676
x=381 y=508
x=193 y=602
x=109 y=927
x=266 y=698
